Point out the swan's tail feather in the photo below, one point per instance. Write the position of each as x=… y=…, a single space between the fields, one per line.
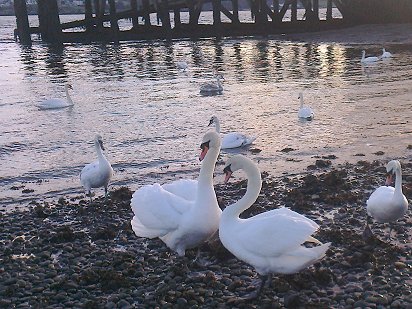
x=250 y=140
x=314 y=240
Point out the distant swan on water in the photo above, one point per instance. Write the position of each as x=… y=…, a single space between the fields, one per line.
x=56 y=102
x=305 y=112
x=212 y=87
x=182 y=65
x=370 y=59
x=98 y=173
x=385 y=54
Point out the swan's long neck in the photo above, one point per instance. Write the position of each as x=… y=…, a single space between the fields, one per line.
x=69 y=99
x=301 y=100
x=217 y=125
x=398 y=182
x=363 y=55
x=208 y=166
x=100 y=155
x=254 y=185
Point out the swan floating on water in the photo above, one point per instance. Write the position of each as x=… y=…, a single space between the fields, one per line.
x=98 y=173
x=385 y=54
x=213 y=87
x=233 y=139
x=305 y=112
x=272 y=242
x=58 y=103
x=182 y=65
x=388 y=204
x=184 y=213
x=368 y=59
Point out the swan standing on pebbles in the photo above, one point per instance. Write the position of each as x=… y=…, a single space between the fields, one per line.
x=211 y=88
x=272 y=242
x=305 y=112
x=184 y=213
x=386 y=203
x=233 y=139
x=97 y=174
x=58 y=103
x=368 y=59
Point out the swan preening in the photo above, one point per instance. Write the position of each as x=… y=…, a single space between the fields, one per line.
x=388 y=204
x=98 y=173
x=385 y=54
x=184 y=213
x=233 y=139
x=370 y=59
x=212 y=87
x=58 y=103
x=305 y=112
x=272 y=242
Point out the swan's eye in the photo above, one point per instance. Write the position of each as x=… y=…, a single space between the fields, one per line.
x=227 y=169
x=204 y=145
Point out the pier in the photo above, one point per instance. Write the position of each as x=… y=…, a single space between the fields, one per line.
x=268 y=18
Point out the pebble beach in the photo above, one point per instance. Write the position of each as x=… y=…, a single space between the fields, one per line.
x=72 y=254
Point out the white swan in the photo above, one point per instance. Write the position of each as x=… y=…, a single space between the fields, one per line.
x=305 y=112
x=97 y=174
x=271 y=241
x=233 y=139
x=58 y=103
x=214 y=87
x=184 y=213
x=368 y=59
x=385 y=54
x=182 y=65
x=386 y=203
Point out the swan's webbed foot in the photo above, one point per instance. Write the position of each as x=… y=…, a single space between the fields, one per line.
x=367 y=234
x=263 y=283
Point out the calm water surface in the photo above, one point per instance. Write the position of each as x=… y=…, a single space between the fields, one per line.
x=152 y=116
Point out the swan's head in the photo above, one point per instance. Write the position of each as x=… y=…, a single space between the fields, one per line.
x=235 y=163
x=383 y=50
x=210 y=140
x=363 y=53
x=300 y=97
x=212 y=120
x=98 y=140
x=69 y=86
x=391 y=169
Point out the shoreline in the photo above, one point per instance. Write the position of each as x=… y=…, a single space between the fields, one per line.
x=73 y=254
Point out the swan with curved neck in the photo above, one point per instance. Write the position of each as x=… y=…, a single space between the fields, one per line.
x=368 y=59
x=305 y=112
x=211 y=88
x=272 y=242
x=385 y=54
x=388 y=204
x=97 y=174
x=184 y=213
x=233 y=139
x=58 y=103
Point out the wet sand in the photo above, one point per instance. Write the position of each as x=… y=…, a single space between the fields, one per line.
x=73 y=254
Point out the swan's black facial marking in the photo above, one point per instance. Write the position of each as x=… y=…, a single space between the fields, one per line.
x=101 y=144
x=205 y=145
x=210 y=122
x=227 y=169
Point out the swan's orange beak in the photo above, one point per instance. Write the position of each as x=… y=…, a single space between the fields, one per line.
x=389 y=179
x=205 y=147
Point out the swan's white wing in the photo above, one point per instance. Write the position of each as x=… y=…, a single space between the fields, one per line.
x=53 y=103
x=158 y=209
x=380 y=197
x=185 y=188
x=305 y=112
x=236 y=139
x=89 y=172
x=275 y=232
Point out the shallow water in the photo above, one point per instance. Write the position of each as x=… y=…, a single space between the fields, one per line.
x=152 y=116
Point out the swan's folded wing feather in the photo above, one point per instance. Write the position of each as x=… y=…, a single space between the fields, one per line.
x=185 y=188
x=90 y=170
x=157 y=208
x=381 y=196
x=274 y=235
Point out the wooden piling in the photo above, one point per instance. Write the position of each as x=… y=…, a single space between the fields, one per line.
x=235 y=8
x=216 y=12
x=316 y=9
x=177 y=21
x=165 y=15
x=49 y=21
x=22 y=21
x=88 y=15
x=294 y=11
x=113 y=21
x=135 y=18
x=146 y=14
x=329 y=10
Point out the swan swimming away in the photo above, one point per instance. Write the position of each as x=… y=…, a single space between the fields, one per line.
x=368 y=59
x=214 y=87
x=272 y=242
x=305 y=112
x=184 y=213
x=385 y=54
x=58 y=103
x=98 y=173
x=233 y=139
x=388 y=204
